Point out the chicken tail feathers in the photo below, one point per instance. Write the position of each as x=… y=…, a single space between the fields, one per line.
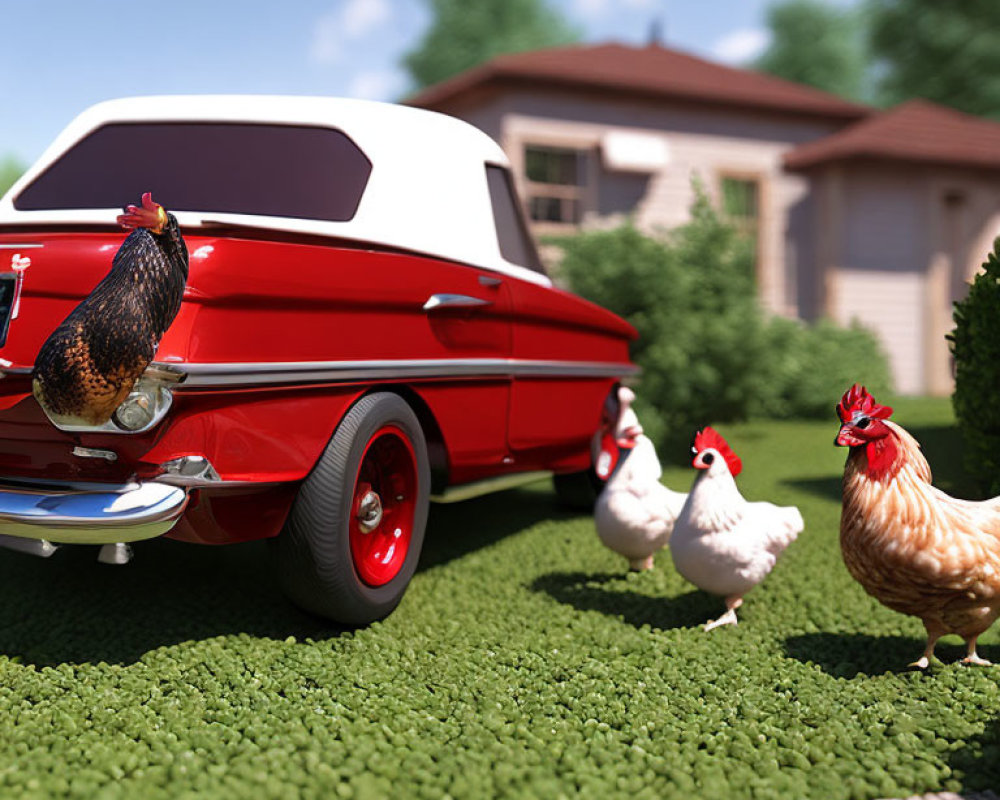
x=788 y=525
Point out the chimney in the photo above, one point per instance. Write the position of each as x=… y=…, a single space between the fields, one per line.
x=655 y=33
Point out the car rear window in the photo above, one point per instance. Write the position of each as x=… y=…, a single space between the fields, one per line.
x=516 y=244
x=272 y=170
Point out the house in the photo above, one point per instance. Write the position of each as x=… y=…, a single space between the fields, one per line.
x=858 y=214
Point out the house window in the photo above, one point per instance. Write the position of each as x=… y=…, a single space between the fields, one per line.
x=556 y=178
x=741 y=204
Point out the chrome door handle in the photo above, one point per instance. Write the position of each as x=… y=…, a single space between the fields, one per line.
x=436 y=301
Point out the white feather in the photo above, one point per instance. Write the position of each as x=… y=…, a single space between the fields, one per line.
x=635 y=513
x=723 y=544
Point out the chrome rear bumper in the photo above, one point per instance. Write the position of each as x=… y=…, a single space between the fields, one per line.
x=92 y=514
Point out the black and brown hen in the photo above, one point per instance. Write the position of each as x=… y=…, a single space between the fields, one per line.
x=90 y=363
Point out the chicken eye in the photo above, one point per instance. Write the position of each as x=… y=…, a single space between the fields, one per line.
x=863 y=423
x=708 y=458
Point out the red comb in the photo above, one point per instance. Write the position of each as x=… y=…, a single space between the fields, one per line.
x=857 y=398
x=710 y=438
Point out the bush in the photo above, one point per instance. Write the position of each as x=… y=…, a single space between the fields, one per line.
x=697 y=326
x=807 y=368
x=707 y=351
x=975 y=343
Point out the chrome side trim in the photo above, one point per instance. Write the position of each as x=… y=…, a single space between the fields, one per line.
x=466 y=491
x=20 y=246
x=254 y=374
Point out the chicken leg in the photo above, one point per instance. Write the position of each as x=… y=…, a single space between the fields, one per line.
x=924 y=661
x=729 y=618
x=972 y=658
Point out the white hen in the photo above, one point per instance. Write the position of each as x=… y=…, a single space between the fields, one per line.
x=635 y=513
x=721 y=543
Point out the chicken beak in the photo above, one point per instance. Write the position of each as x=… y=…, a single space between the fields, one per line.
x=845 y=438
x=627 y=439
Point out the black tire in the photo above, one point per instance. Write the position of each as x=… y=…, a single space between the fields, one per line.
x=577 y=490
x=315 y=563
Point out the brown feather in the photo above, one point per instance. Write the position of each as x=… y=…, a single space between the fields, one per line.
x=916 y=549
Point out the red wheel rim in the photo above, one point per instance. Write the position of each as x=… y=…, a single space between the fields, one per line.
x=383 y=506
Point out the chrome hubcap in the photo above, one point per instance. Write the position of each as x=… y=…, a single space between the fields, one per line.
x=369 y=512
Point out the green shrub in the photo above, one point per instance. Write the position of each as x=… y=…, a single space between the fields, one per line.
x=807 y=367
x=975 y=343
x=697 y=325
x=707 y=351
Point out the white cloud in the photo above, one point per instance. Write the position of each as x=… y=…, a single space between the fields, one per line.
x=353 y=20
x=741 y=46
x=597 y=9
x=327 y=40
x=377 y=85
x=590 y=9
x=363 y=16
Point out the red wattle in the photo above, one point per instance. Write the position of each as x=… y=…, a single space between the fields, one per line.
x=883 y=461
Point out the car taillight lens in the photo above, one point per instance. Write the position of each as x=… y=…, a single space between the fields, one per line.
x=145 y=405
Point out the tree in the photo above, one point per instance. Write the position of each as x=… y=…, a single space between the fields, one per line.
x=819 y=45
x=465 y=34
x=945 y=52
x=10 y=170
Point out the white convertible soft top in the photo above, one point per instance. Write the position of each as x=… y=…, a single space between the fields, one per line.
x=427 y=191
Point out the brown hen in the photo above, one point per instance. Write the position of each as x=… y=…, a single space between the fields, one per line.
x=911 y=546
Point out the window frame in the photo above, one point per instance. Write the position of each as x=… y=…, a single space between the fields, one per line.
x=517 y=225
x=583 y=193
x=760 y=179
x=346 y=204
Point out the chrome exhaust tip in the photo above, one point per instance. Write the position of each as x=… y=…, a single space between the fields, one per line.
x=115 y=553
x=42 y=548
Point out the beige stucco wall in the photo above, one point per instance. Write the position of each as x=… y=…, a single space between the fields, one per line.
x=703 y=143
x=903 y=242
x=892 y=246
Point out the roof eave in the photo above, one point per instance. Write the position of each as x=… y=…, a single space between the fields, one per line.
x=489 y=77
x=808 y=163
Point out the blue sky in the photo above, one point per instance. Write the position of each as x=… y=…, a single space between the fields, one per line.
x=60 y=56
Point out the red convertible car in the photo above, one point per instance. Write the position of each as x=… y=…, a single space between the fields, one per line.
x=365 y=327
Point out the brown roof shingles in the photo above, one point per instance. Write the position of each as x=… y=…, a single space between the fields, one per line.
x=916 y=131
x=651 y=70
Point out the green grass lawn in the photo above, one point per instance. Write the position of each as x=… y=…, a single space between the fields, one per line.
x=523 y=662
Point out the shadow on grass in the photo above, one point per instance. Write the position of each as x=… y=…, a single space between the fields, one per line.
x=848 y=655
x=601 y=592
x=69 y=608
x=457 y=529
x=979 y=761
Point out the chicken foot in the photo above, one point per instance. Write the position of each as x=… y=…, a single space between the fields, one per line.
x=640 y=564
x=729 y=618
x=972 y=658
